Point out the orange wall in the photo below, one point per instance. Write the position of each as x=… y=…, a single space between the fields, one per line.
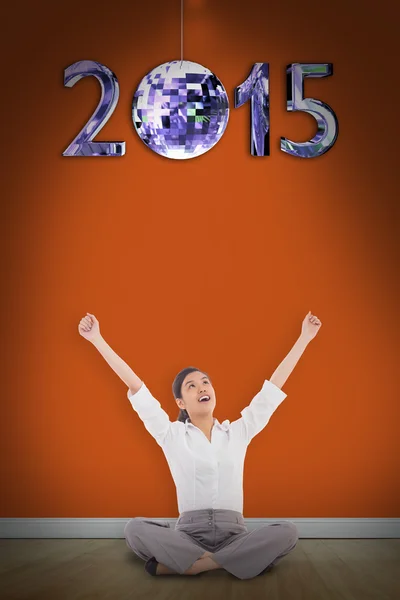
x=123 y=238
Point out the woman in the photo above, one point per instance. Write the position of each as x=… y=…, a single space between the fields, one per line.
x=206 y=461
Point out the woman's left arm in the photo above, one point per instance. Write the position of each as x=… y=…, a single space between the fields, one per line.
x=310 y=327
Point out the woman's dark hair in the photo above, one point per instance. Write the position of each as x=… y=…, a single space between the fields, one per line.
x=177 y=389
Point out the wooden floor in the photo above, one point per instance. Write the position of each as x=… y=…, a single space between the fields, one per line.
x=100 y=569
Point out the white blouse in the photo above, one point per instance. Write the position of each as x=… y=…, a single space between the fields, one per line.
x=207 y=474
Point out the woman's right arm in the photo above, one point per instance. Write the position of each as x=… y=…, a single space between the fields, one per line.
x=89 y=329
x=155 y=419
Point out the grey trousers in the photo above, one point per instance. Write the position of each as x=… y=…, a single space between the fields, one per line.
x=242 y=553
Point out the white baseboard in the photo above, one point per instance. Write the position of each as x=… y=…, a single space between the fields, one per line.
x=114 y=528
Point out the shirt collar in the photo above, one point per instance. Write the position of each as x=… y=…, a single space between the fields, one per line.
x=223 y=425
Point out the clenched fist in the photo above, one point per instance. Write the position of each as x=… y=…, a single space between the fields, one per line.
x=310 y=326
x=89 y=327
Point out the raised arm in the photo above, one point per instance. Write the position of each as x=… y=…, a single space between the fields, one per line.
x=309 y=329
x=256 y=415
x=89 y=329
x=154 y=417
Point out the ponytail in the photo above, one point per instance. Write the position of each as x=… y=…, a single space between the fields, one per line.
x=183 y=415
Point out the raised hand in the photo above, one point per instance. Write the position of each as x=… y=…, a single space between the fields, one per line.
x=89 y=327
x=310 y=326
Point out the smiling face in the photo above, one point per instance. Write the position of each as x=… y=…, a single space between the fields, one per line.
x=194 y=386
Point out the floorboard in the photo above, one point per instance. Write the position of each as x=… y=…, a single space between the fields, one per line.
x=105 y=569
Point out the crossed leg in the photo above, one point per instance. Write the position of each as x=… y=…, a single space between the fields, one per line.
x=172 y=549
x=245 y=555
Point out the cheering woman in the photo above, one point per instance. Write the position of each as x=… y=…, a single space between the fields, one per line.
x=206 y=460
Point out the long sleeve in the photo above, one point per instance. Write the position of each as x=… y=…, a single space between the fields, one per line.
x=256 y=415
x=155 y=419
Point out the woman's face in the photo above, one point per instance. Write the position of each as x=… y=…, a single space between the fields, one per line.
x=194 y=386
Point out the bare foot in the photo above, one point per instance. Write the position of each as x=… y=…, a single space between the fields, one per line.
x=164 y=570
x=205 y=563
x=206 y=554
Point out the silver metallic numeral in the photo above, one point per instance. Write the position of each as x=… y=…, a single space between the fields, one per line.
x=326 y=119
x=82 y=144
x=256 y=88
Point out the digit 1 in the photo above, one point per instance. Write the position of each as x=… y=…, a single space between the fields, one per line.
x=256 y=87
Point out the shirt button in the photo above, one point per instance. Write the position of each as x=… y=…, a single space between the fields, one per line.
x=209 y=523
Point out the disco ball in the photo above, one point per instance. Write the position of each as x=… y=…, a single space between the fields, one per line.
x=180 y=109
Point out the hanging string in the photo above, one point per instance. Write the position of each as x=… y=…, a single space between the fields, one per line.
x=181 y=32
